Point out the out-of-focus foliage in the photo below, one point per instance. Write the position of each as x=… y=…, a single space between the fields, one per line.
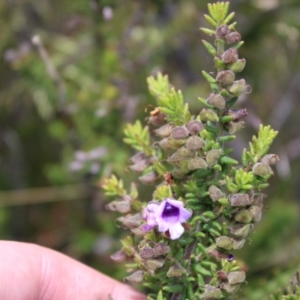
x=67 y=129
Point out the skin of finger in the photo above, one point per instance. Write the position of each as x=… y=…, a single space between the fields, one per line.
x=31 y=272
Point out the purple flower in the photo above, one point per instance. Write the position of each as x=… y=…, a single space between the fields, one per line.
x=167 y=215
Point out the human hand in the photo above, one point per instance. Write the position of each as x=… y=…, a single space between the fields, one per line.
x=32 y=272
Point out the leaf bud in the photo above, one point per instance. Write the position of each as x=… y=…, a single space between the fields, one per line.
x=238 y=87
x=270 y=159
x=243 y=216
x=236 y=277
x=238 y=244
x=261 y=169
x=195 y=143
x=256 y=212
x=123 y=207
x=164 y=131
x=237 y=66
x=119 y=256
x=207 y=114
x=228 y=288
x=136 y=277
x=224 y=242
x=194 y=127
x=176 y=270
x=233 y=37
x=240 y=230
x=211 y=292
x=234 y=127
x=222 y=31
x=149 y=178
x=225 y=77
x=215 y=193
x=197 y=163
x=212 y=156
x=230 y=56
x=239 y=200
x=216 y=100
x=179 y=132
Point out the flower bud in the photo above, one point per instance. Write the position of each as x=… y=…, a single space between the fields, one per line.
x=148 y=178
x=237 y=66
x=238 y=87
x=236 y=277
x=153 y=264
x=233 y=37
x=179 y=132
x=207 y=114
x=222 y=31
x=138 y=157
x=215 y=193
x=164 y=131
x=176 y=270
x=136 y=277
x=234 y=127
x=258 y=199
x=161 y=249
x=243 y=216
x=146 y=252
x=240 y=230
x=230 y=56
x=212 y=156
x=197 y=163
x=123 y=207
x=195 y=143
x=261 y=169
x=225 y=77
x=270 y=159
x=256 y=212
x=238 y=244
x=239 y=200
x=230 y=289
x=194 y=127
x=217 y=101
x=224 y=242
x=211 y=292
x=119 y=256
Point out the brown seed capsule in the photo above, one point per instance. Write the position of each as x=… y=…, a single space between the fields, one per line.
x=237 y=88
x=153 y=264
x=119 y=256
x=225 y=78
x=258 y=199
x=256 y=212
x=216 y=100
x=207 y=114
x=179 y=132
x=230 y=56
x=139 y=231
x=234 y=127
x=176 y=270
x=212 y=156
x=233 y=37
x=228 y=288
x=131 y=221
x=123 y=207
x=238 y=244
x=170 y=143
x=148 y=178
x=243 y=216
x=222 y=31
x=262 y=169
x=211 y=292
x=224 y=242
x=215 y=193
x=239 y=200
x=136 y=277
x=237 y=114
x=164 y=131
x=146 y=252
x=197 y=163
x=161 y=249
x=236 y=277
x=140 y=166
x=240 y=230
x=138 y=157
x=194 y=127
x=195 y=143
x=270 y=159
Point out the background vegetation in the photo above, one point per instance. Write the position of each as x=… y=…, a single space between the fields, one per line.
x=64 y=101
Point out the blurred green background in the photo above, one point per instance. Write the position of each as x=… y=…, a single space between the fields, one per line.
x=66 y=94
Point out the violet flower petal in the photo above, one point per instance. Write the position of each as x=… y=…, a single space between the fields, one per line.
x=176 y=231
